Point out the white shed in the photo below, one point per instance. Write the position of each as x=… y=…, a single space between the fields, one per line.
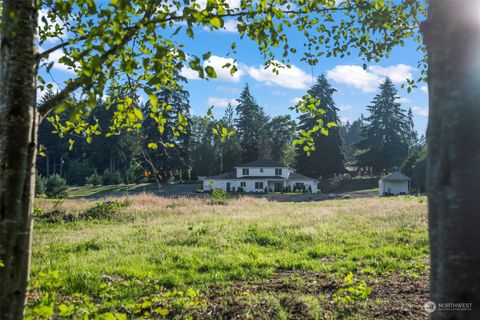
x=393 y=184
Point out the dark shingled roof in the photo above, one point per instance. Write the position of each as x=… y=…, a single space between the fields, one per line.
x=261 y=163
x=233 y=175
x=298 y=176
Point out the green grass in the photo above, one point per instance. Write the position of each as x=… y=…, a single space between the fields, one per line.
x=159 y=246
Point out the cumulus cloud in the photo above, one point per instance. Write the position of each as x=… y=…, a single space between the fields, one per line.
x=420 y=111
x=295 y=100
x=221 y=102
x=403 y=100
x=216 y=63
x=369 y=79
x=54 y=57
x=424 y=89
x=291 y=78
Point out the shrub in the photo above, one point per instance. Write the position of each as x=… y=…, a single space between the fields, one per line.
x=40 y=186
x=218 y=196
x=95 y=179
x=56 y=187
x=104 y=210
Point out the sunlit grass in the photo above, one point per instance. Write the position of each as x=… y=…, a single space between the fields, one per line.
x=181 y=243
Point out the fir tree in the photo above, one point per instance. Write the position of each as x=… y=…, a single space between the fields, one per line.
x=252 y=128
x=282 y=129
x=327 y=158
x=386 y=133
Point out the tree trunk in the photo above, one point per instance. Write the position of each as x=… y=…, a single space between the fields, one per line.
x=452 y=37
x=18 y=134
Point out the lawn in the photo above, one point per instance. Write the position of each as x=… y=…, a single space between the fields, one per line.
x=249 y=259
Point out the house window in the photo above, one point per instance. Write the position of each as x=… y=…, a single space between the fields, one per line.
x=245 y=172
x=278 y=172
x=261 y=169
x=243 y=184
x=258 y=185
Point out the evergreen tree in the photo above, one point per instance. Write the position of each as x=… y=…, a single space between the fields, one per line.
x=386 y=133
x=327 y=158
x=282 y=129
x=165 y=161
x=252 y=128
x=229 y=151
x=351 y=134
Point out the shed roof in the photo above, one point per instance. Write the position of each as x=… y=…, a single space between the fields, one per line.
x=395 y=176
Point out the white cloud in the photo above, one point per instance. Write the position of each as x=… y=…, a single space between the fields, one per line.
x=230 y=26
x=398 y=73
x=54 y=87
x=368 y=80
x=216 y=63
x=189 y=73
x=224 y=73
x=344 y=107
x=295 y=100
x=424 y=89
x=220 y=102
x=420 y=111
x=292 y=78
x=54 y=57
x=403 y=100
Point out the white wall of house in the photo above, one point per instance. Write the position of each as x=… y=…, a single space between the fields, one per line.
x=393 y=186
x=251 y=185
x=247 y=185
x=265 y=172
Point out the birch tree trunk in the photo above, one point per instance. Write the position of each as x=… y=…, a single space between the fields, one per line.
x=452 y=37
x=18 y=131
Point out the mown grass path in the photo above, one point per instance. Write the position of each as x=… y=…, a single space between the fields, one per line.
x=249 y=259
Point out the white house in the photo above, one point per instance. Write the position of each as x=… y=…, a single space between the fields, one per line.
x=259 y=175
x=393 y=184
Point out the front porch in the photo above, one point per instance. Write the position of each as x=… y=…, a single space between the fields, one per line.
x=276 y=185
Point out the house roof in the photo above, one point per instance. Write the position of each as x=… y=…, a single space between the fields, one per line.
x=262 y=163
x=298 y=176
x=395 y=176
x=233 y=175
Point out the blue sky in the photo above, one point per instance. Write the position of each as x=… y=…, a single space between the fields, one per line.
x=275 y=93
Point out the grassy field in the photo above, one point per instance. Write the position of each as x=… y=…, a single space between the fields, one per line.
x=154 y=257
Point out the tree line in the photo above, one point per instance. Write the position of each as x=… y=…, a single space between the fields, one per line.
x=378 y=143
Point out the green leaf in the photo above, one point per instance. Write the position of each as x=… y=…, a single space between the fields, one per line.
x=210 y=72
x=216 y=22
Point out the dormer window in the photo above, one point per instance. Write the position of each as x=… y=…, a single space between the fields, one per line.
x=245 y=172
x=278 y=172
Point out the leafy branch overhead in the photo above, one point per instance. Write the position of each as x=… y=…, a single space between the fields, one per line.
x=134 y=45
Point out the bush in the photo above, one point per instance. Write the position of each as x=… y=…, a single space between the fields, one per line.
x=104 y=210
x=95 y=179
x=56 y=187
x=40 y=185
x=218 y=196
